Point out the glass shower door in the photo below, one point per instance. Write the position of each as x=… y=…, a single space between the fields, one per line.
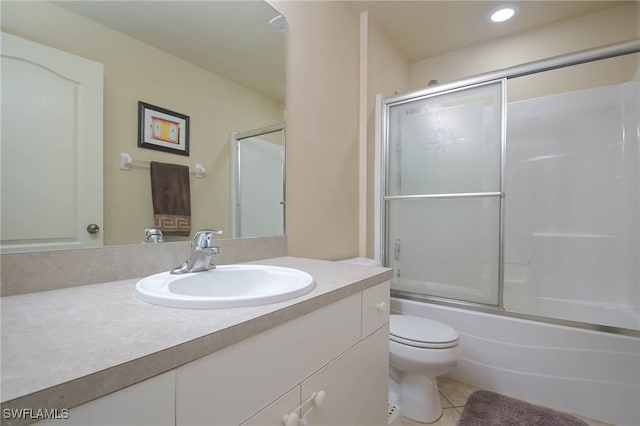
x=443 y=193
x=259 y=184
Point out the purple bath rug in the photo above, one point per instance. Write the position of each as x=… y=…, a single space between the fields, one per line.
x=484 y=408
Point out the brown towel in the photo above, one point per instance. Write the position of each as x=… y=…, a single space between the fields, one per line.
x=171 y=198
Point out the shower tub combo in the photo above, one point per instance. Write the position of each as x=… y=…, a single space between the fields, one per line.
x=515 y=219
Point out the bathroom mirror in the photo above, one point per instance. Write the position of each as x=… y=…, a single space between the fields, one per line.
x=219 y=62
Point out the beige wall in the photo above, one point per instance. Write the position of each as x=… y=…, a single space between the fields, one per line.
x=387 y=74
x=135 y=71
x=322 y=129
x=322 y=123
x=596 y=29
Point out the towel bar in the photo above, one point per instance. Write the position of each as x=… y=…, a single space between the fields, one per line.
x=126 y=163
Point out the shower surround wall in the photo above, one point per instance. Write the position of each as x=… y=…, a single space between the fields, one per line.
x=572 y=206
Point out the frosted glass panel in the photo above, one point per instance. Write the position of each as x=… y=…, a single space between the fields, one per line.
x=448 y=143
x=446 y=248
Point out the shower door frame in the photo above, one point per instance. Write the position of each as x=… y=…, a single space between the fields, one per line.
x=499 y=193
x=383 y=106
x=236 y=179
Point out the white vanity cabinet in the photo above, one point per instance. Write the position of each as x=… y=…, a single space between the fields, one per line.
x=259 y=380
x=340 y=349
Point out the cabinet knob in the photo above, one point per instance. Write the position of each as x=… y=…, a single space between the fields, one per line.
x=291 y=419
x=381 y=307
x=319 y=399
x=93 y=228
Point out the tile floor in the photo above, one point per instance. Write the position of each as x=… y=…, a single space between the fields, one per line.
x=453 y=396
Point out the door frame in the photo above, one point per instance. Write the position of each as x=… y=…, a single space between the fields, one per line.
x=386 y=105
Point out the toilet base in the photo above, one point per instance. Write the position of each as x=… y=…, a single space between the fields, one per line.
x=419 y=398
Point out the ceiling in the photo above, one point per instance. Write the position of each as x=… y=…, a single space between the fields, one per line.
x=230 y=38
x=235 y=40
x=423 y=29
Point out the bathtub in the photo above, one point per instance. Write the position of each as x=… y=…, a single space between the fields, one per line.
x=586 y=372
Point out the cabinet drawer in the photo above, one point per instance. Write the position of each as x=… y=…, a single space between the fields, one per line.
x=229 y=386
x=375 y=308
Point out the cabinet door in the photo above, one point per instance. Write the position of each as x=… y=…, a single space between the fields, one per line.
x=274 y=414
x=231 y=385
x=148 y=403
x=355 y=385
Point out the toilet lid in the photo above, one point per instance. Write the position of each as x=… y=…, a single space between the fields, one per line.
x=421 y=332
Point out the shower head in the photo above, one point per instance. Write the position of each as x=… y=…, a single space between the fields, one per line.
x=279 y=23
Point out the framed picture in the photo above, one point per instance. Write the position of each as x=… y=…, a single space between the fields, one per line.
x=163 y=130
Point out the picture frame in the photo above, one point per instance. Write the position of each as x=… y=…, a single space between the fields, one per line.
x=162 y=129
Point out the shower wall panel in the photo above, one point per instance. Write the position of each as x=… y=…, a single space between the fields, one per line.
x=571 y=228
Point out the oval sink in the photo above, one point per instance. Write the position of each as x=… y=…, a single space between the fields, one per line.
x=227 y=286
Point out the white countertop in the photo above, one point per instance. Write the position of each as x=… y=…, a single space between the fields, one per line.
x=76 y=344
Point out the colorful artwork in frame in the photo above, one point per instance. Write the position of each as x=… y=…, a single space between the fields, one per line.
x=163 y=130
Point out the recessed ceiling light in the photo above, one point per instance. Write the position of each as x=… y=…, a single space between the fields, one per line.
x=503 y=13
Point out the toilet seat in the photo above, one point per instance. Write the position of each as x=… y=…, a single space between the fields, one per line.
x=421 y=332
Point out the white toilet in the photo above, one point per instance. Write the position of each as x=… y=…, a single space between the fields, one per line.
x=420 y=350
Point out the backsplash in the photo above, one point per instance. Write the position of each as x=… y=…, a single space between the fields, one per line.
x=41 y=271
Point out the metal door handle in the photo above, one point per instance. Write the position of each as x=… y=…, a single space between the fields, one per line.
x=93 y=228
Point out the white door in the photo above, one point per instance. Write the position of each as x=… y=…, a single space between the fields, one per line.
x=51 y=148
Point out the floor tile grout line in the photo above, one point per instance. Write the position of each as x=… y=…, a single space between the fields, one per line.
x=446 y=399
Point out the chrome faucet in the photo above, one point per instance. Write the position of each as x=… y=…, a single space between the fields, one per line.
x=153 y=236
x=202 y=253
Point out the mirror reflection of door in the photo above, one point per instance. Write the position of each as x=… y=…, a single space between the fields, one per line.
x=51 y=184
x=259 y=157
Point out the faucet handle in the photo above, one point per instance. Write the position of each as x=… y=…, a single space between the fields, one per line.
x=153 y=235
x=204 y=238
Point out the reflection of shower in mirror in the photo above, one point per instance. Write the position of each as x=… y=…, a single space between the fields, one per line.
x=258 y=182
